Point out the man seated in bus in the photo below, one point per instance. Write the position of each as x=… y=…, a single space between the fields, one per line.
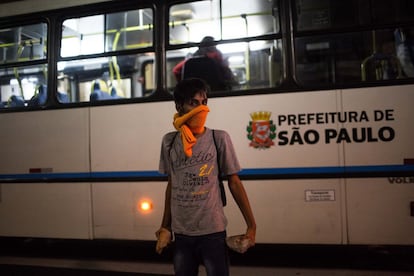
x=207 y=48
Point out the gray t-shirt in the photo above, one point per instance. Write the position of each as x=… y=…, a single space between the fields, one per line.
x=196 y=205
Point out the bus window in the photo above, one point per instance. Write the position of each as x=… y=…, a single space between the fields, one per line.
x=325 y=14
x=23 y=43
x=255 y=62
x=329 y=14
x=124 y=76
x=129 y=30
x=343 y=57
x=392 y=11
x=378 y=55
x=190 y=22
x=20 y=82
x=82 y=36
x=249 y=18
x=404 y=44
x=325 y=60
x=107 y=32
x=108 y=35
x=23 y=86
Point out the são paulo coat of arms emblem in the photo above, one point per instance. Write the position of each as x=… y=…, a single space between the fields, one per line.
x=261 y=130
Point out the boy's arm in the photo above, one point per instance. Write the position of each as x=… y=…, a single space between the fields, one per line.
x=166 y=219
x=164 y=233
x=240 y=196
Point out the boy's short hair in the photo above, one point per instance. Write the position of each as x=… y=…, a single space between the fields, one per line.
x=187 y=88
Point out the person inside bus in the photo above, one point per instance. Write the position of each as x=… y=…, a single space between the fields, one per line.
x=404 y=45
x=207 y=48
x=192 y=157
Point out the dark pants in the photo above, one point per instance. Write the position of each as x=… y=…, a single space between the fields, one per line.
x=209 y=250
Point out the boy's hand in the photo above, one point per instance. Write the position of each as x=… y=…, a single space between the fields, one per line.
x=163 y=239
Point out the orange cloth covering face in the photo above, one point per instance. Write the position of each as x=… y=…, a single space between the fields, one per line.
x=189 y=124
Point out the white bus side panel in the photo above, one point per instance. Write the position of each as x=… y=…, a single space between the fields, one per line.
x=55 y=141
x=379 y=208
x=117 y=214
x=379 y=212
x=281 y=209
x=47 y=210
x=128 y=138
x=233 y=115
x=123 y=138
x=283 y=215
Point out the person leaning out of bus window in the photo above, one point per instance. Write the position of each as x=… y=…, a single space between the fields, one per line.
x=207 y=48
x=193 y=157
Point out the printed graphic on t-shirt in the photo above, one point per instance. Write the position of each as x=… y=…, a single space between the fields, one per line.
x=180 y=162
x=194 y=188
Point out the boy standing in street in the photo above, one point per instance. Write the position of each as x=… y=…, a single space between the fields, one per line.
x=193 y=157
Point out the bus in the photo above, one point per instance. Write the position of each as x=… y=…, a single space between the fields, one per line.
x=320 y=111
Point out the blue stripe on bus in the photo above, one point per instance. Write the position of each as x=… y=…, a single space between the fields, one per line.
x=328 y=170
x=252 y=172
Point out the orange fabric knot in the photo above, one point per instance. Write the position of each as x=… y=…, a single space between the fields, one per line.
x=189 y=124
